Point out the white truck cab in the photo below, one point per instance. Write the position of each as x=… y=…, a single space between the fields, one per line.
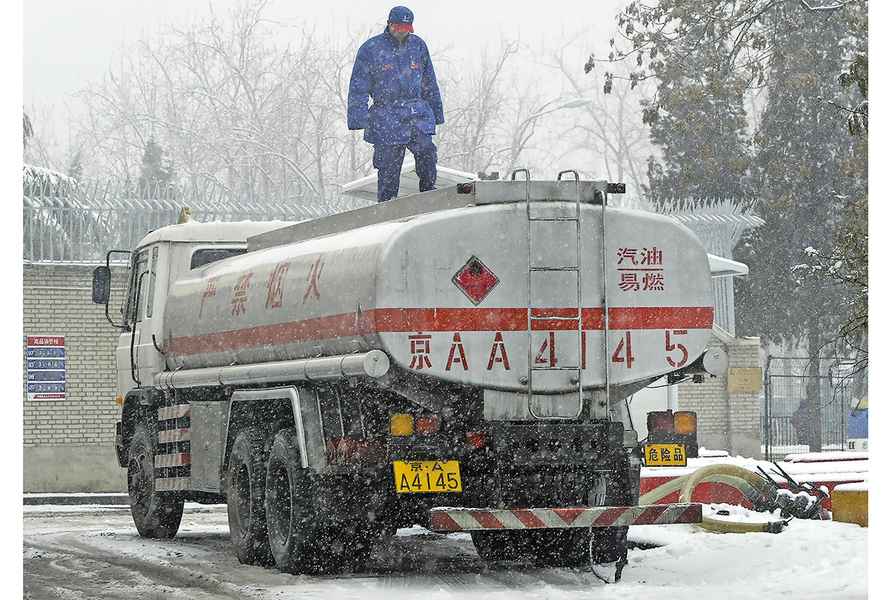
x=160 y=258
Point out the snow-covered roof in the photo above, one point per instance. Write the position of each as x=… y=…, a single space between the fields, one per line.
x=366 y=187
x=214 y=231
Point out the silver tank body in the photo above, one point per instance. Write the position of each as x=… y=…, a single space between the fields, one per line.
x=394 y=286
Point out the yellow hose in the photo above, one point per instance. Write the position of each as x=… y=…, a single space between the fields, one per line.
x=719 y=525
x=659 y=493
x=747 y=482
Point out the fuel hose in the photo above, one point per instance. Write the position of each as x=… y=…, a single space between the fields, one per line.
x=753 y=487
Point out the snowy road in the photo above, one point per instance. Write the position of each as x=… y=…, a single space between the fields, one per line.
x=74 y=553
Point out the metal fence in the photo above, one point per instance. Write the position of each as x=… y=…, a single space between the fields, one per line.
x=77 y=222
x=787 y=426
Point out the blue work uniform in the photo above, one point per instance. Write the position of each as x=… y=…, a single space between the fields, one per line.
x=400 y=80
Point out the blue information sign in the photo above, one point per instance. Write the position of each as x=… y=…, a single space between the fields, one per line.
x=46 y=368
x=48 y=363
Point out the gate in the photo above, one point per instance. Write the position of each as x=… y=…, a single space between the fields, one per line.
x=804 y=411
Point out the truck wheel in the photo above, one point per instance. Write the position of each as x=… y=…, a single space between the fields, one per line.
x=156 y=514
x=302 y=537
x=245 y=493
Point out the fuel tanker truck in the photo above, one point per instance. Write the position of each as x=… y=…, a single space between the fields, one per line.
x=458 y=358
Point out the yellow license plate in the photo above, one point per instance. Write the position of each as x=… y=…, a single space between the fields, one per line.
x=425 y=476
x=664 y=455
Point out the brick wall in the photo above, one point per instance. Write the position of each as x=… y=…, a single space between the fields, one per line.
x=69 y=444
x=726 y=421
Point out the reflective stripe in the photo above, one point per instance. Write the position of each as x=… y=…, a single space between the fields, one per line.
x=474 y=519
x=549 y=518
x=510 y=520
x=464 y=520
x=172 y=460
x=174 y=435
x=168 y=484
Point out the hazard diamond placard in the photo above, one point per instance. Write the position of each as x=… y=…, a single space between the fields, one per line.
x=475 y=280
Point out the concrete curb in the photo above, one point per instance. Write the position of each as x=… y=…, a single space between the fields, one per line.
x=76 y=499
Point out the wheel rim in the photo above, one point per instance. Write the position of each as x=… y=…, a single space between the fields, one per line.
x=139 y=483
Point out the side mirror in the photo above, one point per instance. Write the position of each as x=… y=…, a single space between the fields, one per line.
x=101 y=285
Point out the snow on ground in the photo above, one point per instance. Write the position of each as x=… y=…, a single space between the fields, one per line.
x=89 y=553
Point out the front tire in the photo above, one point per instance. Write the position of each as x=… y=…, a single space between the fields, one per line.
x=245 y=494
x=156 y=514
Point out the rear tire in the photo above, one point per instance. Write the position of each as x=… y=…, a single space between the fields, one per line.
x=245 y=493
x=303 y=536
x=156 y=514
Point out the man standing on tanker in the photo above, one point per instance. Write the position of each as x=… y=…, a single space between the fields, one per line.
x=395 y=70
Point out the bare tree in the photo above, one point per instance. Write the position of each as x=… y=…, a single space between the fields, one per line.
x=42 y=144
x=228 y=106
x=611 y=126
x=476 y=102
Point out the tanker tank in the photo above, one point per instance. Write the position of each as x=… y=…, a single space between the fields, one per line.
x=481 y=293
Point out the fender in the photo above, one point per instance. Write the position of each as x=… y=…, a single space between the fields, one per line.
x=135 y=403
x=274 y=408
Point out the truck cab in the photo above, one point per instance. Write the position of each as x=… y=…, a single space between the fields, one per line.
x=160 y=258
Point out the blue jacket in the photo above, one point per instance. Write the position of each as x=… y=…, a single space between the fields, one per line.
x=400 y=80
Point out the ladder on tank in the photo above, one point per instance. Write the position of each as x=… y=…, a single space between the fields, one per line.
x=563 y=315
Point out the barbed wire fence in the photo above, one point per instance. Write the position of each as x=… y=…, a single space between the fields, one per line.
x=70 y=221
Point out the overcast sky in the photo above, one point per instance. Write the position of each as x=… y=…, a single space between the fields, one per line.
x=70 y=42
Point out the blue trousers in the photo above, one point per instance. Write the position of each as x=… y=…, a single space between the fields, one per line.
x=388 y=159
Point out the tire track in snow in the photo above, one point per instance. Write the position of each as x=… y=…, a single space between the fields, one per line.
x=122 y=576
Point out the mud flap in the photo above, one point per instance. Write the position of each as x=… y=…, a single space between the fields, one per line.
x=609 y=572
x=608 y=553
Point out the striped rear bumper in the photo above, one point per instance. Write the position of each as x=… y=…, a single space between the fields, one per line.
x=477 y=519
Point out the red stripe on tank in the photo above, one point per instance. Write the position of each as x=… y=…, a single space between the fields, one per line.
x=396 y=320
